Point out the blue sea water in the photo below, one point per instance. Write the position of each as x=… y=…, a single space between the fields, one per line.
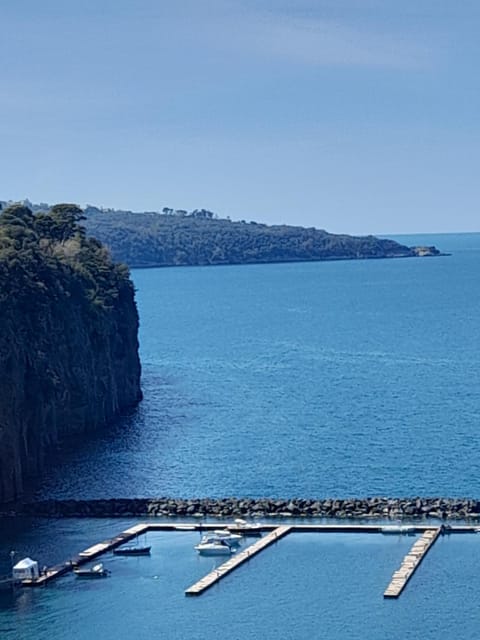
x=307 y=379
x=306 y=586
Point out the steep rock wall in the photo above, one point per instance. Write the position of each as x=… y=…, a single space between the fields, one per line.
x=68 y=361
x=62 y=371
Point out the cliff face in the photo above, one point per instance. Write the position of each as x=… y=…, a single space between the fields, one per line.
x=68 y=342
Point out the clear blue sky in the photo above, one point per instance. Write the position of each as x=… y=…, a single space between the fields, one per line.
x=355 y=116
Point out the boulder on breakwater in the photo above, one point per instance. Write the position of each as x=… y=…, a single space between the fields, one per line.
x=349 y=508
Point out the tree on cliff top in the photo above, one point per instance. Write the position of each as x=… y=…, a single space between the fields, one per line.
x=44 y=251
x=60 y=223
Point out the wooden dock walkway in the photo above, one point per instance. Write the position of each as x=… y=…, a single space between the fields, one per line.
x=236 y=560
x=85 y=556
x=410 y=562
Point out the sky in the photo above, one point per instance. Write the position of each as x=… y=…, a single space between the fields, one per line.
x=355 y=116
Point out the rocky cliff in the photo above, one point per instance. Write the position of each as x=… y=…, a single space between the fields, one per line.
x=68 y=339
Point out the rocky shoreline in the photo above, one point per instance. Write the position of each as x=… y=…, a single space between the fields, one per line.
x=350 y=508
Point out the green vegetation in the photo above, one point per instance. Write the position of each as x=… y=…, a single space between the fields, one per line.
x=178 y=237
x=68 y=338
x=200 y=238
x=49 y=255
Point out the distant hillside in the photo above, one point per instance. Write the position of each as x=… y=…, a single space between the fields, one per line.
x=199 y=237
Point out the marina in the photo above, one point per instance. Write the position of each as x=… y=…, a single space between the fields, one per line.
x=425 y=537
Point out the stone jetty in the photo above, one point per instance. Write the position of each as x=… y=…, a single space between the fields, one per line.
x=349 y=508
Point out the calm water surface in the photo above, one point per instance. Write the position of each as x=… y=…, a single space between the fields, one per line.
x=314 y=380
x=306 y=586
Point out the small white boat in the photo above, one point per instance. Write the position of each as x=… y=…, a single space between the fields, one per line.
x=213 y=537
x=214 y=548
x=246 y=528
x=97 y=571
x=398 y=529
x=227 y=536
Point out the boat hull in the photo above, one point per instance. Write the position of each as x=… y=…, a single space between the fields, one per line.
x=213 y=550
x=403 y=530
x=98 y=571
x=219 y=541
x=244 y=528
x=91 y=574
x=246 y=533
x=132 y=551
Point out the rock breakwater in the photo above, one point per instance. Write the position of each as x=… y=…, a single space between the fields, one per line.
x=349 y=508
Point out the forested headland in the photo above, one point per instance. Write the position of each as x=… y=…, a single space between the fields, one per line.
x=178 y=237
x=68 y=338
x=199 y=238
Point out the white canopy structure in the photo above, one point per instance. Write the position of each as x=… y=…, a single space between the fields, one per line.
x=26 y=569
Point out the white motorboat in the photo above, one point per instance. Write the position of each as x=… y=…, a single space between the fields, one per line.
x=212 y=547
x=246 y=528
x=231 y=541
x=97 y=571
x=227 y=536
x=399 y=529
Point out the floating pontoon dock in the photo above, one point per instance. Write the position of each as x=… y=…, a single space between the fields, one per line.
x=410 y=563
x=236 y=560
x=274 y=532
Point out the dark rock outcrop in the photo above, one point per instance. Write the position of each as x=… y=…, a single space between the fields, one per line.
x=68 y=340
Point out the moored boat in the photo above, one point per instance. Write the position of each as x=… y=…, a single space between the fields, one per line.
x=212 y=537
x=244 y=528
x=226 y=536
x=212 y=547
x=97 y=571
x=132 y=551
x=401 y=529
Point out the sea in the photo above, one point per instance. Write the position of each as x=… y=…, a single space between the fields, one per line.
x=324 y=379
